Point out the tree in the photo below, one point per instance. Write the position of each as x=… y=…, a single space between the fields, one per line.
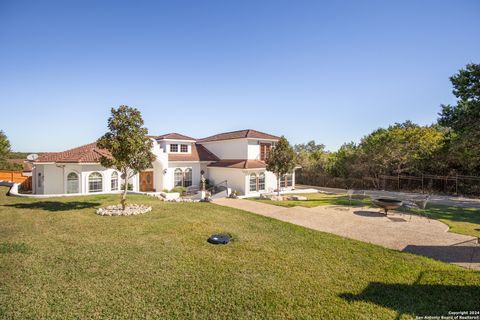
x=311 y=154
x=128 y=144
x=281 y=160
x=401 y=148
x=464 y=118
x=343 y=162
x=4 y=146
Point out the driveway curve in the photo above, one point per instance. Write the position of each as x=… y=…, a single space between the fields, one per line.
x=403 y=232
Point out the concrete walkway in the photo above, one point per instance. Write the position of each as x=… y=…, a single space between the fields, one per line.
x=397 y=231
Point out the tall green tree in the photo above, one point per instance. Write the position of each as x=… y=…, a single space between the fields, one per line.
x=311 y=154
x=464 y=118
x=401 y=148
x=128 y=144
x=4 y=146
x=281 y=160
x=344 y=163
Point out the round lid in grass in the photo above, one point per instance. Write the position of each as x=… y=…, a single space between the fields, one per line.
x=219 y=239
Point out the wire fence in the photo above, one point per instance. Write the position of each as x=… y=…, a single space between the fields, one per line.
x=426 y=183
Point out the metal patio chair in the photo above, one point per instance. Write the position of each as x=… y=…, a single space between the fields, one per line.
x=419 y=205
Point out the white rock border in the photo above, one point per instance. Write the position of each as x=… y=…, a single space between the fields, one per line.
x=130 y=210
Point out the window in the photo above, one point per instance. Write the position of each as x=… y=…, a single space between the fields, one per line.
x=114 y=181
x=184 y=148
x=282 y=182
x=253 y=182
x=289 y=179
x=286 y=180
x=72 y=183
x=95 y=182
x=178 y=177
x=187 y=178
x=265 y=151
x=174 y=148
x=39 y=180
x=182 y=179
x=261 y=181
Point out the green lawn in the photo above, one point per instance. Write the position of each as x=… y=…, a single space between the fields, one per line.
x=319 y=199
x=58 y=260
x=460 y=220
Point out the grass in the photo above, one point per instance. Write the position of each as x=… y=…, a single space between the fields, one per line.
x=159 y=265
x=459 y=219
x=318 y=199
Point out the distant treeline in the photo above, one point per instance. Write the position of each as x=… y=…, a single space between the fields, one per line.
x=449 y=147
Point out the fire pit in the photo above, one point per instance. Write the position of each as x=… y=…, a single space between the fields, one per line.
x=387 y=204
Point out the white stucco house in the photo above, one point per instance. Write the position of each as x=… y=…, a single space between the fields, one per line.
x=236 y=159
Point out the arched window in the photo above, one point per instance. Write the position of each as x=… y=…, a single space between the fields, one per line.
x=95 y=182
x=72 y=183
x=261 y=181
x=114 y=181
x=178 y=178
x=253 y=182
x=187 y=178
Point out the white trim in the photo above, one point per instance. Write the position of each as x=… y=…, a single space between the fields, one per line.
x=175 y=140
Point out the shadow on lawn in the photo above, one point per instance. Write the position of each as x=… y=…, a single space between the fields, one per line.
x=55 y=205
x=453 y=213
x=467 y=253
x=423 y=299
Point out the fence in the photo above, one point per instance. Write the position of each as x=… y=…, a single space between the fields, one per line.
x=18 y=177
x=426 y=183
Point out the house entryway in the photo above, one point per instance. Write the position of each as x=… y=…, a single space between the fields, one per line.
x=146 y=181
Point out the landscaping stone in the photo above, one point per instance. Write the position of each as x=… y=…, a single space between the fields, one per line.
x=170 y=195
x=297 y=198
x=272 y=197
x=130 y=210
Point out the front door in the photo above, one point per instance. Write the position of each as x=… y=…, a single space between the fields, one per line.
x=146 y=181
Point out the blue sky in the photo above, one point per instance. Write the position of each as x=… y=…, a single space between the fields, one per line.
x=329 y=71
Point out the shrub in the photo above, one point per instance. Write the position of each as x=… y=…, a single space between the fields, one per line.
x=180 y=190
x=129 y=186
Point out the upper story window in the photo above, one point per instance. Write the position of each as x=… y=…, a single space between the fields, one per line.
x=265 y=151
x=174 y=147
x=184 y=148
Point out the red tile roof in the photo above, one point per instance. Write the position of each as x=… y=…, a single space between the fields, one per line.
x=199 y=153
x=88 y=153
x=174 y=136
x=241 y=134
x=239 y=164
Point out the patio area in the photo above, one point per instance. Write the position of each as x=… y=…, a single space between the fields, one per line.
x=398 y=231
